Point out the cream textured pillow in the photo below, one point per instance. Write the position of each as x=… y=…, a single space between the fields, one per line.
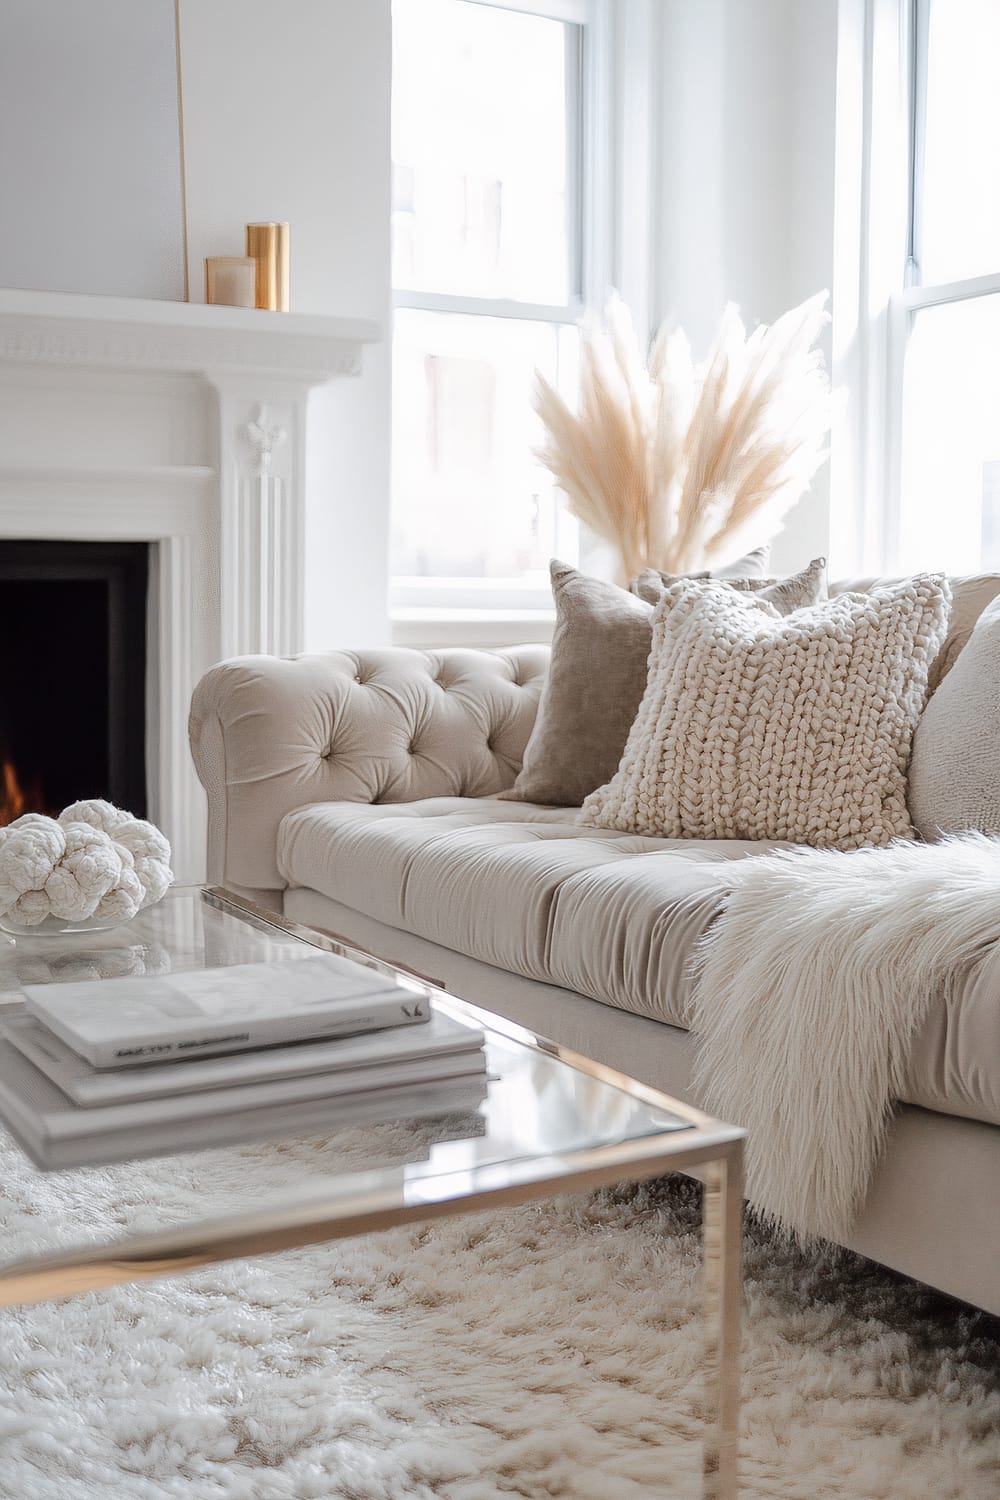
x=597 y=674
x=955 y=767
x=595 y=682
x=758 y=726
x=969 y=597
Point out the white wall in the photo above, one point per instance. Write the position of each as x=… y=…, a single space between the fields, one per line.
x=286 y=116
x=745 y=180
x=90 y=159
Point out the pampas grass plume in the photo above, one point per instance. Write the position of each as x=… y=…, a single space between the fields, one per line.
x=681 y=467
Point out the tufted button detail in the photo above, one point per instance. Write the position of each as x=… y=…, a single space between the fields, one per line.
x=412 y=748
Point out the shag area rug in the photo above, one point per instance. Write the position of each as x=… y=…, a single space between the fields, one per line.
x=553 y=1350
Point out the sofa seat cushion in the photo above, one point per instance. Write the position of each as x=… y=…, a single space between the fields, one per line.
x=609 y=915
x=525 y=888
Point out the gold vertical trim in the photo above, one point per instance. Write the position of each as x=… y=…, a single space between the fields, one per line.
x=180 y=128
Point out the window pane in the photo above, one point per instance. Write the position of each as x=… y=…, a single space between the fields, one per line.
x=960 y=204
x=469 y=498
x=950 y=514
x=480 y=151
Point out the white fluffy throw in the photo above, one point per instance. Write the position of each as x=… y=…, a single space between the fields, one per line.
x=94 y=860
x=810 y=988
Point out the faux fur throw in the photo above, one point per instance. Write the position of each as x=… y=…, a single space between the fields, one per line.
x=811 y=985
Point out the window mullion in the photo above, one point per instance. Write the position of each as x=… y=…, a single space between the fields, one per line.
x=573 y=11
x=964 y=290
x=918 y=29
x=576 y=43
x=487 y=307
x=596 y=156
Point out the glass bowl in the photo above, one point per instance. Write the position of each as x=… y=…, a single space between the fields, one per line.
x=56 y=927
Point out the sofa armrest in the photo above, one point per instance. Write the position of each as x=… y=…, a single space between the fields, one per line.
x=270 y=734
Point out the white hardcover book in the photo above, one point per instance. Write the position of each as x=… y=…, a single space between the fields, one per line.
x=123 y=1022
x=73 y=1119
x=440 y=1049
x=56 y=1133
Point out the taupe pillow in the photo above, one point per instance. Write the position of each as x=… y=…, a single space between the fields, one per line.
x=955 y=766
x=759 y=726
x=595 y=682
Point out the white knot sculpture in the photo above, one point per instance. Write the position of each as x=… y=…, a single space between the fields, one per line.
x=93 y=861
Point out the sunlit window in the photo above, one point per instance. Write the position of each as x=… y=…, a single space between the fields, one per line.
x=486 y=256
x=949 y=514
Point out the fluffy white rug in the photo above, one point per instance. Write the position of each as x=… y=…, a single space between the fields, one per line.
x=810 y=988
x=551 y=1351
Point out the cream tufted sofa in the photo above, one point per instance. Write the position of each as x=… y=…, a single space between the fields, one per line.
x=358 y=792
x=270 y=735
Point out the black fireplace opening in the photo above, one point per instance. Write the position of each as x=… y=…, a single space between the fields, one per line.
x=73 y=700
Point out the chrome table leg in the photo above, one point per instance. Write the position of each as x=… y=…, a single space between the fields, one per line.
x=722 y=1234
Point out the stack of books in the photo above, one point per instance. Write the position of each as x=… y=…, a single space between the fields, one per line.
x=112 y=1069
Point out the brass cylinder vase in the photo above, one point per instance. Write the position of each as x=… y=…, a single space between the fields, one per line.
x=268 y=244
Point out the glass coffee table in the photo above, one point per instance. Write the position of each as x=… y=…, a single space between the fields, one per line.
x=553 y=1122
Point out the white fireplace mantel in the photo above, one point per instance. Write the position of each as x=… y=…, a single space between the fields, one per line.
x=133 y=333
x=185 y=426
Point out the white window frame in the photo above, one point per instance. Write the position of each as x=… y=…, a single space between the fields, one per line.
x=414 y=600
x=881 y=74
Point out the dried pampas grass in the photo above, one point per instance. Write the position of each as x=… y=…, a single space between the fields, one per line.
x=679 y=467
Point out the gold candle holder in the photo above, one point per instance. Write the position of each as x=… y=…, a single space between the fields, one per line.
x=268 y=244
x=231 y=280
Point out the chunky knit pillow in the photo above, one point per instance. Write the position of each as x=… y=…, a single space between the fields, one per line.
x=597 y=672
x=758 y=726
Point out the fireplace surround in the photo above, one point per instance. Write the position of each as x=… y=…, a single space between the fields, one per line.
x=183 y=429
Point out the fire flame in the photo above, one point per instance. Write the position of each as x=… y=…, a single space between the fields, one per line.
x=14 y=800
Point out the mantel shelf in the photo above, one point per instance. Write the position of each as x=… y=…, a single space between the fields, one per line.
x=189 y=337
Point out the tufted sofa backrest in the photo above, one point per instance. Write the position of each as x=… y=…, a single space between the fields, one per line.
x=270 y=734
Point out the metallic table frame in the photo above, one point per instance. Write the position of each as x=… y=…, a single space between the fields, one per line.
x=355 y=1204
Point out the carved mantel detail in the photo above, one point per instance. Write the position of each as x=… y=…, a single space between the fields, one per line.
x=264 y=437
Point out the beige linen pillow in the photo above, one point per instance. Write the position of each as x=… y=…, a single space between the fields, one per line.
x=786 y=594
x=597 y=672
x=955 y=766
x=759 y=726
x=595 y=681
